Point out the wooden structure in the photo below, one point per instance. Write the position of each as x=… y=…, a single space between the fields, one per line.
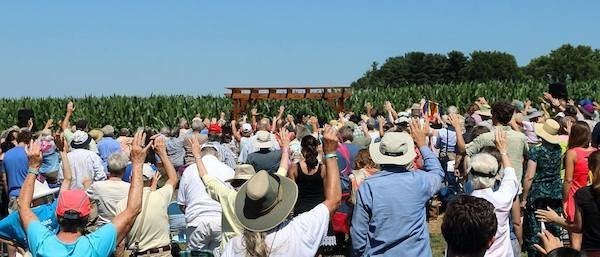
x=242 y=97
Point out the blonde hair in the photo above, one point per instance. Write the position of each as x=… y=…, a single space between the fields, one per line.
x=255 y=244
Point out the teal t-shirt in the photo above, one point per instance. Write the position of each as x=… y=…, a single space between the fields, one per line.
x=42 y=242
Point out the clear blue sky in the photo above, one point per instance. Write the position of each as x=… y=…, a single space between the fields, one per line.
x=76 y=48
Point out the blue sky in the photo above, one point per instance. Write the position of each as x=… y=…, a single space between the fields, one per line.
x=76 y=48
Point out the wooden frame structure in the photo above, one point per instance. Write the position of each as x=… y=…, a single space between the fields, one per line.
x=241 y=97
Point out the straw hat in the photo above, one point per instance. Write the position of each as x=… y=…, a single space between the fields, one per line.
x=263 y=139
x=265 y=201
x=548 y=131
x=242 y=172
x=396 y=148
x=484 y=110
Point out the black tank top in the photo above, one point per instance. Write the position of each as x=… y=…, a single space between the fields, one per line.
x=310 y=190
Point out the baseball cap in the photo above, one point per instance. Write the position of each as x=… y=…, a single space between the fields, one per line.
x=214 y=129
x=246 y=127
x=73 y=204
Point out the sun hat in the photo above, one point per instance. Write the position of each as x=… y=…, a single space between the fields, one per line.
x=242 y=172
x=148 y=171
x=534 y=113
x=80 y=139
x=362 y=142
x=96 y=134
x=263 y=139
x=42 y=189
x=484 y=165
x=548 y=131
x=246 y=128
x=214 y=129
x=484 y=110
x=73 y=204
x=265 y=201
x=396 y=148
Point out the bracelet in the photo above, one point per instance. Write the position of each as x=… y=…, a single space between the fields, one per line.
x=331 y=155
x=34 y=171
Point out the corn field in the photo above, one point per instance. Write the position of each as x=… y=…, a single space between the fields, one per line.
x=158 y=111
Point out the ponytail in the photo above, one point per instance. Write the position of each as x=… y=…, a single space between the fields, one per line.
x=310 y=152
x=255 y=244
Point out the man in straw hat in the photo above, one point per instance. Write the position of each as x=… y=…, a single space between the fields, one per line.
x=43 y=206
x=73 y=209
x=263 y=206
x=225 y=195
x=389 y=216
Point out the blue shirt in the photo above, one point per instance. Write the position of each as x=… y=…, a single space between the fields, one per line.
x=16 y=166
x=42 y=242
x=389 y=216
x=106 y=147
x=11 y=229
x=446 y=137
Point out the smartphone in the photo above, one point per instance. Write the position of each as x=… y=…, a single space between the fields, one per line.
x=543 y=225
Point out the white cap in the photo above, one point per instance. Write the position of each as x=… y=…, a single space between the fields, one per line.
x=148 y=171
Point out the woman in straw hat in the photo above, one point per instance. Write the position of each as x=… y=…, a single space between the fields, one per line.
x=264 y=203
x=485 y=172
x=542 y=186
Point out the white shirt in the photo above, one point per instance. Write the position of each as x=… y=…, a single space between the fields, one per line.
x=85 y=164
x=155 y=227
x=299 y=237
x=192 y=192
x=248 y=147
x=502 y=199
x=107 y=195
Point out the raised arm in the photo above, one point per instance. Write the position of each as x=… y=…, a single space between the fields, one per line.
x=65 y=123
x=124 y=220
x=460 y=140
x=66 y=167
x=284 y=144
x=236 y=131
x=34 y=155
x=160 y=147
x=333 y=190
x=381 y=122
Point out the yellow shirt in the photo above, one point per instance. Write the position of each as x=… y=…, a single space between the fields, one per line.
x=230 y=225
x=155 y=230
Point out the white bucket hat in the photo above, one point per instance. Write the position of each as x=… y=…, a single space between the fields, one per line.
x=396 y=148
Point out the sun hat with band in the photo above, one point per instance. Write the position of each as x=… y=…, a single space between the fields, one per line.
x=548 y=131
x=484 y=165
x=81 y=139
x=73 y=204
x=243 y=172
x=265 y=201
x=263 y=139
x=395 y=148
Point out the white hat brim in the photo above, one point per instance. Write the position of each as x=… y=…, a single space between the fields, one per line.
x=380 y=158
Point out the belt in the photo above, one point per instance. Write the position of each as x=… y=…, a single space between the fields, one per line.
x=165 y=248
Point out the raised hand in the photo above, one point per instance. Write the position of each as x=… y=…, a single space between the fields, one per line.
x=138 y=150
x=34 y=154
x=155 y=179
x=49 y=123
x=380 y=120
x=159 y=145
x=368 y=105
x=454 y=120
x=281 y=109
x=549 y=241
x=418 y=132
x=313 y=120
x=547 y=215
x=254 y=112
x=568 y=126
x=330 y=141
x=284 y=138
x=500 y=140
x=70 y=107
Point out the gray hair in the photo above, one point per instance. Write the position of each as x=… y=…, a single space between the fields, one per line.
x=117 y=162
x=197 y=124
x=108 y=131
x=166 y=131
x=487 y=164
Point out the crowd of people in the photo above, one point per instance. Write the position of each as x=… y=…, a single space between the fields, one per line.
x=510 y=179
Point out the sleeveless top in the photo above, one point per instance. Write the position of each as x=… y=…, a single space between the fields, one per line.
x=580 y=179
x=310 y=190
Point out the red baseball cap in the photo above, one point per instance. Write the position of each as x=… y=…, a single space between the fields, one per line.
x=73 y=204
x=214 y=129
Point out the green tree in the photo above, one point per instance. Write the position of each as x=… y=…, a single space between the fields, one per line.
x=492 y=65
x=566 y=62
x=456 y=67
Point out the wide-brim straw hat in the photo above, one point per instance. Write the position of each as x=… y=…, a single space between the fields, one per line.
x=395 y=148
x=243 y=172
x=548 y=131
x=265 y=201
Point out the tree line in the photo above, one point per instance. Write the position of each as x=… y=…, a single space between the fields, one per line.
x=564 y=64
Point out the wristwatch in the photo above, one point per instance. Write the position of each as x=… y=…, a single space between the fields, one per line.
x=34 y=171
